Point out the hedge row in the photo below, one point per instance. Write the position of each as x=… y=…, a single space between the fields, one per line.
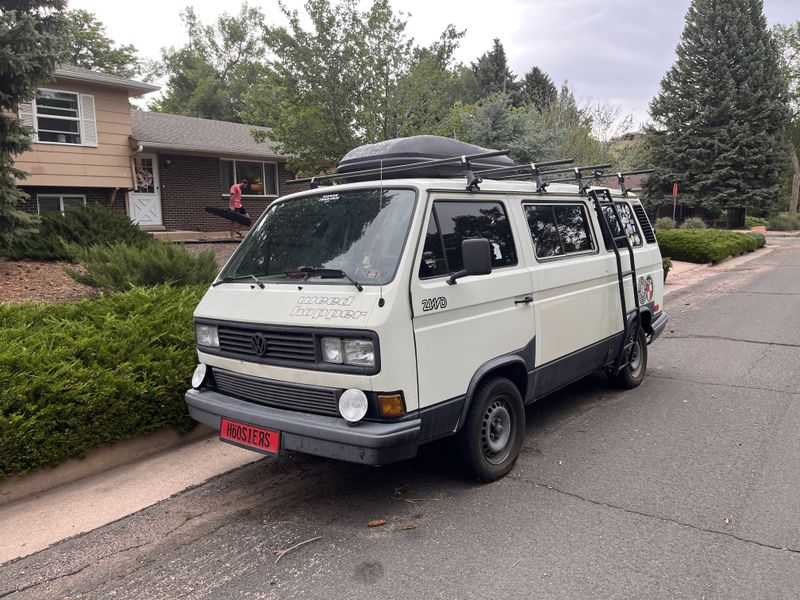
x=77 y=376
x=60 y=235
x=121 y=267
x=704 y=245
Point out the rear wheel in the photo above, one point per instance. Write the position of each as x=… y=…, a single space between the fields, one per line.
x=633 y=373
x=492 y=436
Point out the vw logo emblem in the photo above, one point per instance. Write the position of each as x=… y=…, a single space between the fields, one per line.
x=259 y=344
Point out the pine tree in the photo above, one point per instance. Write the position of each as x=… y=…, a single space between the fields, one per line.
x=538 y=89
x=493 y=74
x=721 y=111
x=30 y=38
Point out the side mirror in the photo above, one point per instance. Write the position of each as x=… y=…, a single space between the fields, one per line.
x=477 y=256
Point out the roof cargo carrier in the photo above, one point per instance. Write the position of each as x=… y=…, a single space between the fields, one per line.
x=405 y=152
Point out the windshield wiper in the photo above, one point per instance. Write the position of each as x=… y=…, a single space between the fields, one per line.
x=323 y=273
x=229 y=279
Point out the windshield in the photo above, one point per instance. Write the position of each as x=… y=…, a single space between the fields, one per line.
x=357 y=232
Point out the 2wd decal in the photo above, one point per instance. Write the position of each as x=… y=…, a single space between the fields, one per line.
x=429 y=304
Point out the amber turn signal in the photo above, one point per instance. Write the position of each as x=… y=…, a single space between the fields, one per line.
x=391 y=405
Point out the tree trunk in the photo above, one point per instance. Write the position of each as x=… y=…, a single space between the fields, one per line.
x=795 y=180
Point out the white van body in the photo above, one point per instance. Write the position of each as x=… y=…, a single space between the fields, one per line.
x=547 y=314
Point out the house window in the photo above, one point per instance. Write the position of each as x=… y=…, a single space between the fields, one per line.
x=59 y=202
x=58 y=117
x=262 y=177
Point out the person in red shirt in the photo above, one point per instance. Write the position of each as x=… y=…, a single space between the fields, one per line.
x=236 y=205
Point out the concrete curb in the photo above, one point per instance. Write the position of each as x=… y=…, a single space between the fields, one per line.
x=101 y=459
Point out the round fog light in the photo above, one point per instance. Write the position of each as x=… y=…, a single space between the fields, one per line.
x=199 y=376
x=353 y=405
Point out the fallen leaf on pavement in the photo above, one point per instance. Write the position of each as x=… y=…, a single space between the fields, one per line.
x=376 y=523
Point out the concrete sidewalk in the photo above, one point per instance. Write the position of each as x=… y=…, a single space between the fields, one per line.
x=103 y=495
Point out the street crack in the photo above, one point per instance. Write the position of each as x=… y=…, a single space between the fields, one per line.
x=674 y=336
x=631 y=511
x=46 y=581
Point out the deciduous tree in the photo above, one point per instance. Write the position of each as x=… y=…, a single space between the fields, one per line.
x=209 y=76
x=87 y=46
x=788 y=39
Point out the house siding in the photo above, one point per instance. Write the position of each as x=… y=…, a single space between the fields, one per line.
x=191 y=183
x=106 y=166
x=101 y=196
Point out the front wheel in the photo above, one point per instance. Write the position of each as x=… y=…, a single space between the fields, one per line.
x=492 y=436
x=633 y=373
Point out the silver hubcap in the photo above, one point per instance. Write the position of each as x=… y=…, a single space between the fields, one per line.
x=636 y=358
x=496 y=431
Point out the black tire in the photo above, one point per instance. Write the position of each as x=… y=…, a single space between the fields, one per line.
x=489 y=443
x=633 y=373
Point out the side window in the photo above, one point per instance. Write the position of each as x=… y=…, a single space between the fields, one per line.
x=628 y=223
x=453 y=222
x=433 y=263
x=559 y=230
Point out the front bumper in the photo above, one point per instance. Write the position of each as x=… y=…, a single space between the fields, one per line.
x=366 y=443
x=658 y=326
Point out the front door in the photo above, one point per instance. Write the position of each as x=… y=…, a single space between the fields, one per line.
x=458 y=328
x=144 y=202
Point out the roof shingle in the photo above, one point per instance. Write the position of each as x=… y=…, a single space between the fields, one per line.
x=176 y=132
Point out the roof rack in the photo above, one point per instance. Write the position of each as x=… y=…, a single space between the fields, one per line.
x=472 y=179
x=579 y=177
x=531 y=170
x=621 y=178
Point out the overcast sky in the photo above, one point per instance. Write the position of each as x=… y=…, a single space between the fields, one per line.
x=613 y=50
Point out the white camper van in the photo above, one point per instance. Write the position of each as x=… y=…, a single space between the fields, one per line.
x=434 y=294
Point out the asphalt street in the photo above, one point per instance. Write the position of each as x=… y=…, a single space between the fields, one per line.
x=686 y=487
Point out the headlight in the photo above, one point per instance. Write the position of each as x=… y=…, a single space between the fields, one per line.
x=353 y=405
x=359 y=352
x=332 y=350
x=206 y=335
x=348 y=351
x=199 y=376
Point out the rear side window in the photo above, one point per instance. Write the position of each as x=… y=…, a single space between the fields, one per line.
x=453 y=222
x=628 y=223
x=559 y=230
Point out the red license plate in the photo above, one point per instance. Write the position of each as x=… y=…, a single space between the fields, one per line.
x=250 y=436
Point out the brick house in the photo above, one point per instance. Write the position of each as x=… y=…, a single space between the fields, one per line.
x=162 y=170
x=184 y=164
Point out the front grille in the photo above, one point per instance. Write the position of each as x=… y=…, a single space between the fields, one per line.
x=278 y=394
x=647 y=229
x=280 y=346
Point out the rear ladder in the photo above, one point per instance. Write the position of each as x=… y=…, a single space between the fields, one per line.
x=631 y=319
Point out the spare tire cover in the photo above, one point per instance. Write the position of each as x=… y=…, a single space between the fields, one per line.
x=410 y=150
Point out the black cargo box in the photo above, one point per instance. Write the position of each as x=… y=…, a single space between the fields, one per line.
x=416 y=149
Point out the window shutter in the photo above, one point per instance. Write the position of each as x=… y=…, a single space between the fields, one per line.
x=26 y=116
x=88 y=122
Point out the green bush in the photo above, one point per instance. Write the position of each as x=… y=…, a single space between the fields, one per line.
x=666 y=264
x=121 y=267
x=754 y=221
x=77 y=376
x=783 y=222
x=694 y=223
x=761 y=241
x=704 y=245
x=665 y=223
x=59 y=235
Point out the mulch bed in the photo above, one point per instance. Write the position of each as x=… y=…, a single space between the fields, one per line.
x=44 y=281
x=39 y=281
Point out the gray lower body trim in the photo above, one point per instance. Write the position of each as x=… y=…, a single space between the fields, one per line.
x=658 y=326
x=366 y=443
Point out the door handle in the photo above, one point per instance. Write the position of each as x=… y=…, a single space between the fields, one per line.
x=525 y=300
